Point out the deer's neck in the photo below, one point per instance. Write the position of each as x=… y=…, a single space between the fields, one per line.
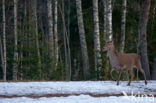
x=113 y=59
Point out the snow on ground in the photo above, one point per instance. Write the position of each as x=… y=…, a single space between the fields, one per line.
x=83 y=88
x=81 y=99
x=86 y=87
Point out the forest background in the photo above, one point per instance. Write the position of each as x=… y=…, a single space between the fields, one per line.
x=63 y=39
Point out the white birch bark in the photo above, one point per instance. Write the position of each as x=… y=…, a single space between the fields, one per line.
x=105 y=17
x=4 y=42
x=107 y=28
x=50 y=29
x=56 y=32
x=109 y=34
x=123 y=26
x=97 y=47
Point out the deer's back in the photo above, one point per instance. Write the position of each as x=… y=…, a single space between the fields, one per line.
x=128 y=60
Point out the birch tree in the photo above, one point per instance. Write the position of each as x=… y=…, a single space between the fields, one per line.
x=56 y=32
x=123 y=26
x=3 y=54
x=107 y=28
x=85 y=60
x=15 y=64
x=105 y=15
x=142 y=43
x=97 y=47
x=50 y=29
x=109 y=33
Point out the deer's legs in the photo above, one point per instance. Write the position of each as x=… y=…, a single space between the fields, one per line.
x=112 y=75
x=131 y=76
x=120 y=72
x=142 y=71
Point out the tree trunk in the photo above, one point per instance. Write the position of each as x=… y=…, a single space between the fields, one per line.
x=65 y=42
x=105 y=17
x=154 y=70
x=20 y=72
x=68 y=19
x=85 y=60
x=34 y=3
x=97 y=47
x=109 y=34
x=123 y=26
x=142 y=43
x=68 y=40
x=4 y=42
x=56 y=33
x=2 y=58
x=107 y=30
x=21 y=63
x=15 y=65
x=66 y=45
x=50 y=29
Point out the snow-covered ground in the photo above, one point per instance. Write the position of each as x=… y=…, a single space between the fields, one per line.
x=88 y=87
x=78 y=92
x=80 y=99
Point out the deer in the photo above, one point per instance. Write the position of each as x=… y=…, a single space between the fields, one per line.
x=123 y=61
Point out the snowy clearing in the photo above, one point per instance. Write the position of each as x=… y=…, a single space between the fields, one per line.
x=77 y=92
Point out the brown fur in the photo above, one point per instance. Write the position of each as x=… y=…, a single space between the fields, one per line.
x=123 y=61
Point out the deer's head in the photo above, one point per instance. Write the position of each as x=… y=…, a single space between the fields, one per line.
x=108 y=46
